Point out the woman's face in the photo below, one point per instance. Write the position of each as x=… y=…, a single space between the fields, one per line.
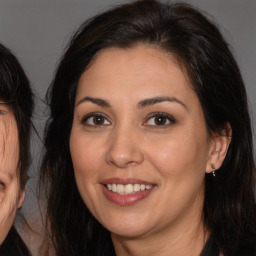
x=10 y=196
x=139 y=143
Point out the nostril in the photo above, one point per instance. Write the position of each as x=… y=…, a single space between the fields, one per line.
x=124 y=157
x=123 y=163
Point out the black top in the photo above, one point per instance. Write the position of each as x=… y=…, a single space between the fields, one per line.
x=13 y=245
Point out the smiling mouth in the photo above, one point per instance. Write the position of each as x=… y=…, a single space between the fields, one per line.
x=127 y=189
x=126 y=192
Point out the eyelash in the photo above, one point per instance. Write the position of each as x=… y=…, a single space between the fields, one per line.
x=164 y=116
x=85 y=119
x=102 y=118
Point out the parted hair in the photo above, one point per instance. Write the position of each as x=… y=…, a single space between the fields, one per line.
x=200 y=49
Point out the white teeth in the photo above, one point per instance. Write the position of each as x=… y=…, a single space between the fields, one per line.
x=136 y=187
x=120 y=188
x=127 y=189
x=113 y=187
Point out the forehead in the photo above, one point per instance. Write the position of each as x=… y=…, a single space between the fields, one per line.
x=139 y=59
x=142 y=70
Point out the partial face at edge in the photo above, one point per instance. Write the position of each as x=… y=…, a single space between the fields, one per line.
x=138 y=122
x=10 y=196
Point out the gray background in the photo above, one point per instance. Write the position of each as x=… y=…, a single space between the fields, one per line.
x=37 y=31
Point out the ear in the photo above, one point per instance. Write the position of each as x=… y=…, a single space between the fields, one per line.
x=218 y=148
x=22 y=198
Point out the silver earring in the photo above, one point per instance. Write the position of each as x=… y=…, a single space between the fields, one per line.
x=213 y=170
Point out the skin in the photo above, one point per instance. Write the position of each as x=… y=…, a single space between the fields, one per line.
x=129 y=142
x=11 y=198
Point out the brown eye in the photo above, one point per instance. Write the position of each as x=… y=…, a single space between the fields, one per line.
x=160 y=119
x=95 y=120
x=98 y=120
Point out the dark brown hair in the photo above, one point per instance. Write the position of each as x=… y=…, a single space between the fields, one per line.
x=201 y=50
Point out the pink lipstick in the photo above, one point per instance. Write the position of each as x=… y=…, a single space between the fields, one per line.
x=125 y=192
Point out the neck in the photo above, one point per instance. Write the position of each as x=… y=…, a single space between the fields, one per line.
x=186 y=237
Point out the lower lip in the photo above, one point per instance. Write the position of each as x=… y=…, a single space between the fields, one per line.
x=126 y=200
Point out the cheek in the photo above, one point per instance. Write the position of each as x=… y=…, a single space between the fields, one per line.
x=179 y=155
x=8 y=208
x=85 y=154
x=7 y=217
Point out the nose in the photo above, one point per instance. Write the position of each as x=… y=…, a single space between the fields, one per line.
x=124 y=149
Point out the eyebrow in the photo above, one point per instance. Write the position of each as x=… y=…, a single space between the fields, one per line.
x=142 y=104
x=97 y=101
x=155 y=100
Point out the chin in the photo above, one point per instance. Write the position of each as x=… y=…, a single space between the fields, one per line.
x=129 y=228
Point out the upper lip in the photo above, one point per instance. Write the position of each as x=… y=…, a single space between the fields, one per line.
x=125 y=181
